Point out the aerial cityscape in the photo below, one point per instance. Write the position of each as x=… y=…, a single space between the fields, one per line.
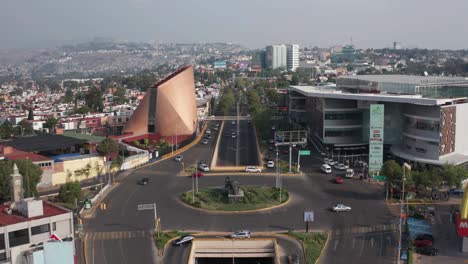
x=125 y=140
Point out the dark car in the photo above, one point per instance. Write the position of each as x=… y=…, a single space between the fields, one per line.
x=422 y=242
x=425 y=237
x=338 y=180
x=197 y=174
x=143 y=181
x=183 y=240
x=429 y=251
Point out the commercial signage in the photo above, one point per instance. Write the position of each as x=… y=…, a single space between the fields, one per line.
x=462 y=226
x=376 y=137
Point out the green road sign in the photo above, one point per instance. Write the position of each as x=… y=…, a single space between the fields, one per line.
x=304 y=152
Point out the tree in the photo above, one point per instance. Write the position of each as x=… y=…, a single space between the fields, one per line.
x=6 y=130
x=392 y=170
x=30 y=114
x=107 y=146
x=51 y=123
x=68 y=98
x=94 y=100
x=84 y=109
x=23 y=128
x=119 y=96
x=69 y=192
x=31 y=177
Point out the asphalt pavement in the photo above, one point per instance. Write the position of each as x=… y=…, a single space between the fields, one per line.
x=121 y=234
x=227 y=149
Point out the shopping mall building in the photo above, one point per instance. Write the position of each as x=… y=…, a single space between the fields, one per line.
x=425 y=118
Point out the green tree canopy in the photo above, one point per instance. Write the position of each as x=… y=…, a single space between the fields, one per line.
x=392 y=170
x=51 y=123
x=69 y=192
x=107 y=146
x=6 y=130
x=94 y=100
x=31 y=177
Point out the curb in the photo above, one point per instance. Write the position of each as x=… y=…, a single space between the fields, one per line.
x=302 y=245
x=212 y=211
x=324 y=247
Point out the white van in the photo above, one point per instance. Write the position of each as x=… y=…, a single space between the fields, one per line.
x=326 y=168
x=349 y=173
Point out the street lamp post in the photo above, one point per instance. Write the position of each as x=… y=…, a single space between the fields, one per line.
x=402 y=201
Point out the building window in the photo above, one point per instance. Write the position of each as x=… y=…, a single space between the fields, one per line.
x=420 y=150
x=35 y=230
x=19 y=237
x=2 y=241
x=54 y=226
x=3 y=256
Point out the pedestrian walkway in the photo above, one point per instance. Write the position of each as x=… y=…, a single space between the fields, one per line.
x=117 y=235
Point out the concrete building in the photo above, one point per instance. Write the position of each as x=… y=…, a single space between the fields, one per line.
x=169 y=107
x=27 y=224
x=276 y=56
x=425 y=117
x=292 y=57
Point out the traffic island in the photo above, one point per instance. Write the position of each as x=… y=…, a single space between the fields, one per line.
x=236 y=198
x=314 y=244
x=164 y=238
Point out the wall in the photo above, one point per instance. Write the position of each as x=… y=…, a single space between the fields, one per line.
x=461 y=129
x=448 y=117
x=73 y=167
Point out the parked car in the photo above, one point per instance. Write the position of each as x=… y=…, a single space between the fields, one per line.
x=331 y=162
x=233 y=122
x=349 y=173
x=456 y=192
x=215 y=128
x=241 y=234
x=204 y=141
x=422 y=242
x=252 y=169
x=273 y=128
x=340 y=166
x=338 y=180
x=197 y=174
x=271 y=141
x=182 y=240
x=208 y=131
x=341 y=208
x=208 y=136
x=425 y=237
x=270 y=164
x=326 y=160
x=143 y=181
x=429 y=251
x=179 y=158
x=204 y=167
x=326 y=168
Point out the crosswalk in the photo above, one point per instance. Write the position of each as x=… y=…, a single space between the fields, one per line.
x=117 y=235
x=365 y=229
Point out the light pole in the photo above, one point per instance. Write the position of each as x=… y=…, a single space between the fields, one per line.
x=402 y=200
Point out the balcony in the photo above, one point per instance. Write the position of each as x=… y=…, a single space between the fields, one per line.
x=427 y=135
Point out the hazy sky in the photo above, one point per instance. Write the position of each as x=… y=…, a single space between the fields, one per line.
x=253 y=23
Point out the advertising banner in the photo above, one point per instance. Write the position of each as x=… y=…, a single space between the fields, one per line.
x=376 y=137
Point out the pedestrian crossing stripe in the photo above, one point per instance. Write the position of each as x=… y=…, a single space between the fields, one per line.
x=116 y=235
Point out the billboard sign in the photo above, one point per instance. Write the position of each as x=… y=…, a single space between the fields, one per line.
x=462 y=226
x=376 y=137
x=309 y=216
x=219 y=65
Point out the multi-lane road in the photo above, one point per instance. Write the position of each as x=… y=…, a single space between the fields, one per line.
x=227 y=149
x=121 y=234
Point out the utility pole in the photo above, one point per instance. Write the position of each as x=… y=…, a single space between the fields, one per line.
x=290 y=157
x=238 y=137
x=277 y=168
x=298 y=159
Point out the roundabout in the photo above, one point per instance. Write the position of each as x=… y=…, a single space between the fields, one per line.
x=254 y=198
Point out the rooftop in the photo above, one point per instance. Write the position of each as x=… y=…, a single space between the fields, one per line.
x=19 y=154
x=316 y=91
x=49 y=210
x=87 y=137
x=43 y=142
x=406 y=79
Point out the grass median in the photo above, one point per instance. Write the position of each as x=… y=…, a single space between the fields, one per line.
x=255 y=197
x=164 y=237
x=313 y=244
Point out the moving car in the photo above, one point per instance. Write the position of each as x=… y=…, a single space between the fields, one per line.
x=241 y=234
x=208 y=131
x=215 y=128
x=205 y=141
x=270 y=164
x=233 y=122
x=208 y=136
x=425 y=237
x=341 y=208
x=331 y=162
x=233 y=135
x=338 y=180
x=349 y=173
x=326 y=160
x=197 y=174
x=422 y=243
x=340 y=166
x=271 y=141
x=204 y=167
x=326 y=168
x=252 y=169
x=143 y=181
x=182 y=240
x=179 y=158
x=429 y=251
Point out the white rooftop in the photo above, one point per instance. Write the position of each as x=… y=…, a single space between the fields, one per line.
x=326 y=92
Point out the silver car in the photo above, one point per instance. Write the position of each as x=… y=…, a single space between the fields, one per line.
x=241 y=234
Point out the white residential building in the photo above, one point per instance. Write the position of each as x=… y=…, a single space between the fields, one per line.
x=292 y=61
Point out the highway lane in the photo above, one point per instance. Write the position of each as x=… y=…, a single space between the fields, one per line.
x=247 y=142
x=315 y=192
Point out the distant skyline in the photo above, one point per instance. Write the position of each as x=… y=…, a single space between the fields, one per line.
x=251 y=23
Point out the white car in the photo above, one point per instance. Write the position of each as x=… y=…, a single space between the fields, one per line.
x=233 y=135
x=326 y=160
x=208 y=131
x=331 y=162
x=215 y=128
x=326 y=168
x=341 y=208
x=205 y=142
x=204 y=167
x=179 y=158
x=270 y=164
x=182 y=240
x=340 y=166
x=349 y=173
x=233 y=122
x=241 y=234
x=252 y=169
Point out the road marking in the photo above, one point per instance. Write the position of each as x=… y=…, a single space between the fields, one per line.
x=372 y=242
x=122 y=251
x=354 y=241
x=103 y=252
x=362 y=245
x=381 y=243
x=335 y=244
